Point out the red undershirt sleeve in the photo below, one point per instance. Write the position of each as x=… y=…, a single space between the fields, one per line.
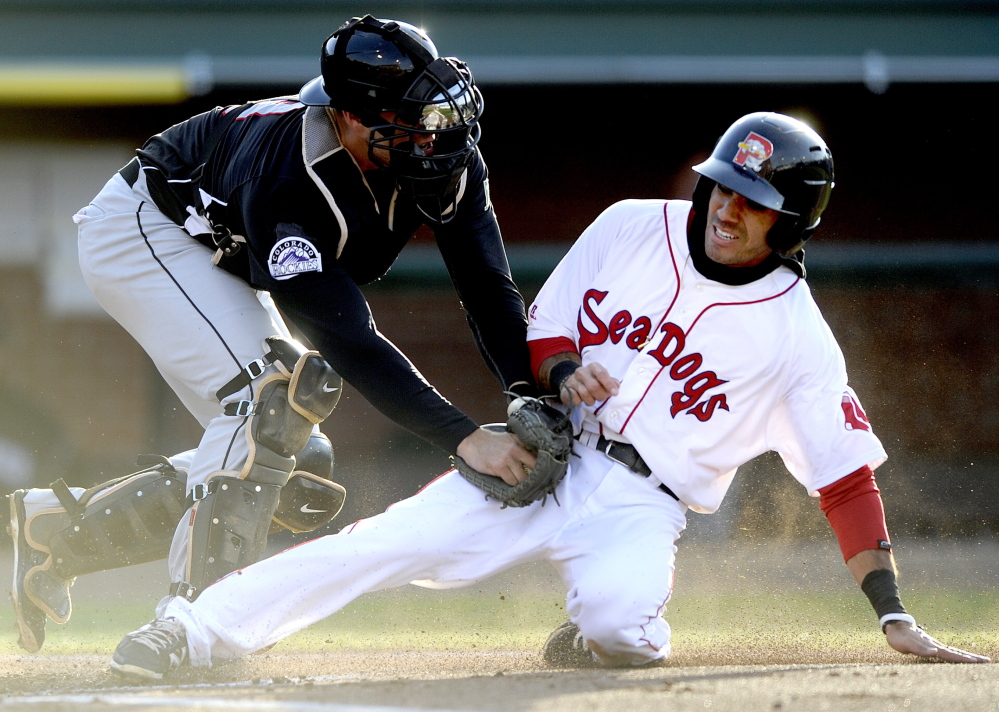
x=546 y=348
x=855 y=512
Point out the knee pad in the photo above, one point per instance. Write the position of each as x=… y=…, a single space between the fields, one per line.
x=286 y=407
x=228 y=530
x=128 y=520
x=316 y=457
x=310 y=499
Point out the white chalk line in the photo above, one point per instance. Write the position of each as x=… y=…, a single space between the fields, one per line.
x=205 y=703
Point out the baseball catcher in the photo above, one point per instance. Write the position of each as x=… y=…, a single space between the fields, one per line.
x=265 y=220
x=546 y=432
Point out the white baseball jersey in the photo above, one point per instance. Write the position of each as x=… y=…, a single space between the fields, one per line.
x=711 y=375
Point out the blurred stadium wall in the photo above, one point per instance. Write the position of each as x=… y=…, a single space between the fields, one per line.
x=586 y=103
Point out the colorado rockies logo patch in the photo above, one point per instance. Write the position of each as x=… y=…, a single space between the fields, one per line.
x=293 y=256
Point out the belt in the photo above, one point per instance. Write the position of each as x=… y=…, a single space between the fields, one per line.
x=131 y=172
x=624 y=454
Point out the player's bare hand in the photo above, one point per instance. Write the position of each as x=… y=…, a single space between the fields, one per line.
x=589 y=384
x=907 y=638
x=498 y=454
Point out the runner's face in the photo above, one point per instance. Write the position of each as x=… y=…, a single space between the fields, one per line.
x=736 y=230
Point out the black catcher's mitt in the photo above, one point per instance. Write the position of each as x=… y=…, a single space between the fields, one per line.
x=547 y=433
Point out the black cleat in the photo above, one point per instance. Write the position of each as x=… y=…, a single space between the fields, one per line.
x=152 y=651
x=565 y=648
x=29 y=619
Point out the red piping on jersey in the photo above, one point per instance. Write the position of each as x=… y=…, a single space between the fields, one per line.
x=739 y=304
x=698 y=318
x=676 y=294
x=676 y=270
x=285 y=106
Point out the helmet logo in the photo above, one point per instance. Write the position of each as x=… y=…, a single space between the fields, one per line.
x=753 y=150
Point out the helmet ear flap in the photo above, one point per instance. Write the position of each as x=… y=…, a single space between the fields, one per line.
x=789 y=234
x=702 y=193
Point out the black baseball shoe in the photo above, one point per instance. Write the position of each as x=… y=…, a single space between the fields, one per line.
x=565 y=648
x=151 y=651
x=29 y=618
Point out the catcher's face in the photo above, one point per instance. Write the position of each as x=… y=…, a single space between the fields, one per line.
x=399 y=136
x=736 y=230
x=372 y=149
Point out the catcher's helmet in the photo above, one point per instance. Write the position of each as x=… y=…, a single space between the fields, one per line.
x=371 y=67
x=778 y=162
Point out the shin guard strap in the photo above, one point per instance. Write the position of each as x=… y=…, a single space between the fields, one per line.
x=72 y=506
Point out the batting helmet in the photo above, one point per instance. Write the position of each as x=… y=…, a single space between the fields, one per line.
x=778 y=162
x=390 y=75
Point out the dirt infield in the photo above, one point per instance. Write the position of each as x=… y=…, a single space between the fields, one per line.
x=756 y=628
x=506 y=681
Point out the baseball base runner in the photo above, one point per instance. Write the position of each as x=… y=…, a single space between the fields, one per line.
x=687 y=338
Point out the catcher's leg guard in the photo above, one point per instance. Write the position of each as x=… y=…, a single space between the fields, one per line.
x=310 y=499
x=28 y=618
x=229 y=530
x=122 y=522
x=233 y=510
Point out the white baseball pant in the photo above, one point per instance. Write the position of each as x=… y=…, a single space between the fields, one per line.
x=198 y=323
x=611 y=537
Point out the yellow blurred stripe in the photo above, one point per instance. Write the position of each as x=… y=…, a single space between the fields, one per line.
x=96 y=84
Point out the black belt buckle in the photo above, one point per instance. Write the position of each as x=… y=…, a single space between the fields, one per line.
x=637 y=464
x=634 y=461
x=607 y=451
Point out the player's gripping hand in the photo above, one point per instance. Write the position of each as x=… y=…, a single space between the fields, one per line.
x=908 y=638
x=590 y=383
x=497 y=453
x=547 y=433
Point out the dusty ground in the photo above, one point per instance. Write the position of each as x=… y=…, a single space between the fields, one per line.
x=761 y=671
x=506 y=681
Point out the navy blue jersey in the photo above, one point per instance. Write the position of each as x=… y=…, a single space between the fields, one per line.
x=317 y=227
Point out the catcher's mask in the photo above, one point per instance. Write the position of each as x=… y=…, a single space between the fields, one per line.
x=390 y=76
x=778 y=162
